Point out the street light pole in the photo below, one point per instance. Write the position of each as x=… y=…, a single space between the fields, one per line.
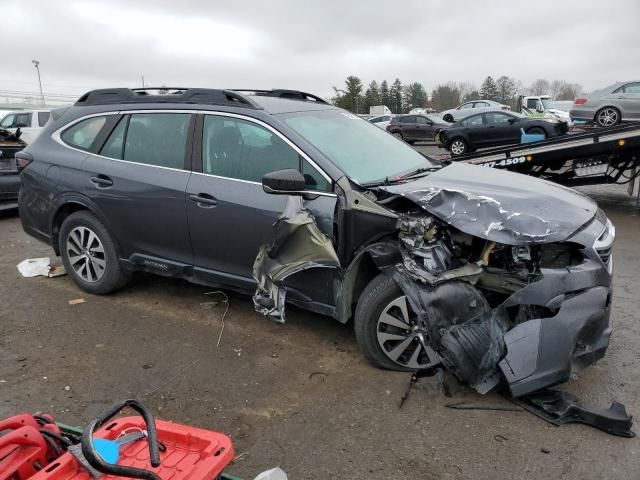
x=36 y=64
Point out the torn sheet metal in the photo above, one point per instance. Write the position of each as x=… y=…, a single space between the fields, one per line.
x=298 y=245
x=501 y=206
x=559 y=407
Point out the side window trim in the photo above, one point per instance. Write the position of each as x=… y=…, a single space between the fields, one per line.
x=197 y=164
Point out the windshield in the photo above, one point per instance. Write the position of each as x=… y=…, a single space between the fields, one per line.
x=364 y=152
x=546 y=103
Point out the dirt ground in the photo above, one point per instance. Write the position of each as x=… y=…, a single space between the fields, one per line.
x=298 y=395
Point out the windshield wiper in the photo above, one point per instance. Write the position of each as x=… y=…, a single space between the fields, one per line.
x=400 y=178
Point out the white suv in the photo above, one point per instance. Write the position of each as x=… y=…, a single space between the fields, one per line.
x=30 y=122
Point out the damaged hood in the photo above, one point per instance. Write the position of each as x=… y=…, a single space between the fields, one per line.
x=504 y=207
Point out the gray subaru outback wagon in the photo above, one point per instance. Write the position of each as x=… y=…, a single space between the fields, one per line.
x=494 y=275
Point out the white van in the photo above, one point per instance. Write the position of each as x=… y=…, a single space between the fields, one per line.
x=30 y=122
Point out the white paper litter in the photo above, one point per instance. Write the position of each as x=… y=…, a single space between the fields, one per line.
x=273 y=474
x=34 y=267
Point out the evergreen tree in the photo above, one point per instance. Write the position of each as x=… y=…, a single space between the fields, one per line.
x=415 y=95
x=489 y=89
x=395 y=92
x=445 y=97
x=385 y=96
x=351 y=97
x=371 y=96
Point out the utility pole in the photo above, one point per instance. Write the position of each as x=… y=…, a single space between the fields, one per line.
x=142 y=81
x=36 y=64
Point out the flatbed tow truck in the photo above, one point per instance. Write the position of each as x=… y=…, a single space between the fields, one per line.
x=590 y=157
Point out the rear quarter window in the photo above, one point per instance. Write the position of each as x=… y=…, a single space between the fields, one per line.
x=83 y=134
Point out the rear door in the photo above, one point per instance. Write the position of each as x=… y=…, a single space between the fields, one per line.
x=476 y=130
x=629 y=100
x=230 y=216
x=138 y=181
x=409 y=127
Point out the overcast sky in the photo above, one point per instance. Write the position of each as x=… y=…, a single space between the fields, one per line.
x=314 y=45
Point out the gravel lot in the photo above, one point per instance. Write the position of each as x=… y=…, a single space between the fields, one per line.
x=298 y=395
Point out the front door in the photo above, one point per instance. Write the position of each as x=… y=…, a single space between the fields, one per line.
x=230 y=216
x=138 y=182
x=501 y=129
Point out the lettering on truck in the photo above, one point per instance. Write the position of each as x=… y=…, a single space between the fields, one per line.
x=505 y=163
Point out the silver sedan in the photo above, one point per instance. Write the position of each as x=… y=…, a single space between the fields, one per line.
x=469 y=108
x=609 y=106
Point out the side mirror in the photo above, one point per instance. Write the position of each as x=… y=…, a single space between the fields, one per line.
x=539 y=108
x=283 y=182
x=512 y=120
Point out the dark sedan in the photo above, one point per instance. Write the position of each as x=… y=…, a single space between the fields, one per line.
x=491 y=129
x=415 y=128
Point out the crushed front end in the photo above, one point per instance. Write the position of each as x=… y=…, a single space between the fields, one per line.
x=529 y=311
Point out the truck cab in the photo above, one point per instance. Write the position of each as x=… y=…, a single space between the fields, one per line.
x=541 y=106
x=30 y=122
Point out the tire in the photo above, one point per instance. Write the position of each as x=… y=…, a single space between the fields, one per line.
x=398 y=135
x=608 y=117
x=537 y=131
x=458 y=147
x=96 y=268
x=411 y=142
x=448 y=118
x=383 y=296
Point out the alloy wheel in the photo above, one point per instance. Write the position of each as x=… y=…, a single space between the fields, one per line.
x=400 y=337
x=457 y=147
x=608 y=117
x=86 y=254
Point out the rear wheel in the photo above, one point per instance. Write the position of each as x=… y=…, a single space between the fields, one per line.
x=386 y=328
x=608 y=117
x=398 y=135
x=89 y=254
x=537 y=131
x=458 y=147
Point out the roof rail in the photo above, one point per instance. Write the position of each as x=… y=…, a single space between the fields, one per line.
x=283 y=93
x=112 y=96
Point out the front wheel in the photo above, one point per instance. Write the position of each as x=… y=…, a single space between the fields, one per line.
x=608 y=117
x=89 y=254
x=386 y=328
x=448 y=118
x=398 y=135
x=458 y=147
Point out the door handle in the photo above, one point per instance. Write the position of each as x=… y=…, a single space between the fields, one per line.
x=101 y=181
x=204 y=200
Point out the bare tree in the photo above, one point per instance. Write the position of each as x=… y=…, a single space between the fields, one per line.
x=555 y=88
x=539 y=87
x=569 y=91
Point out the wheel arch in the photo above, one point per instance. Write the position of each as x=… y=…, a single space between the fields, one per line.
x=65 y=206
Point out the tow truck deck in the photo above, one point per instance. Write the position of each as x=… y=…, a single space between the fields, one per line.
x=595 y=156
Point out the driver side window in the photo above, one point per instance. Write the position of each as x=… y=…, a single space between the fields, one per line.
x=243 y=150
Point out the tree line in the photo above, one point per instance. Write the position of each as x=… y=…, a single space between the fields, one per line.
x=401 y=98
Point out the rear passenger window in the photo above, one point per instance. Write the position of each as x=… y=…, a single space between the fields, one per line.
x=239 y=149
x=43 y=117
x=157 y=139
x=82 y=134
